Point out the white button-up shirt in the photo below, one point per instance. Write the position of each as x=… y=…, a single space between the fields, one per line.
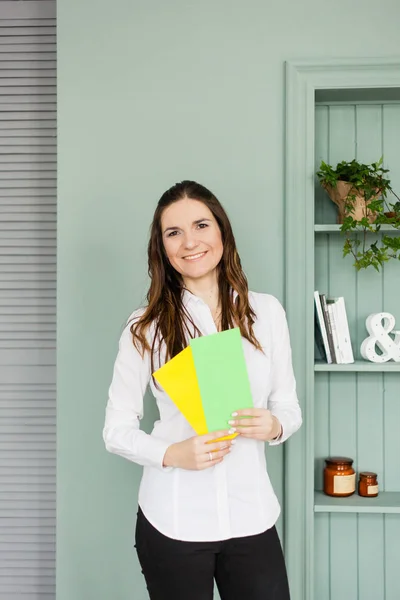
x=234 y=498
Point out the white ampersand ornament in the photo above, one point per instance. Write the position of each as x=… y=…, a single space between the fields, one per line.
x=379 y=325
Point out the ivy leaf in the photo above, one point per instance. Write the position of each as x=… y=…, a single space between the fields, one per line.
x=370 y=182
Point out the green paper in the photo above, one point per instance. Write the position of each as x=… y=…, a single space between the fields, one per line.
x=222 y=376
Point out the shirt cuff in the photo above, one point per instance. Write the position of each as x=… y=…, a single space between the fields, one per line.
x=280 y=434
x=285 y=431
x=156 y=453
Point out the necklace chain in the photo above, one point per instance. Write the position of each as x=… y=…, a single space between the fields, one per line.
x=217 y=318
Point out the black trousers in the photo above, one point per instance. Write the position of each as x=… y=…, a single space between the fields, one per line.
x=248 y=568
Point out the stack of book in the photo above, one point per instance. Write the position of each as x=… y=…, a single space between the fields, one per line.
x=332 y=334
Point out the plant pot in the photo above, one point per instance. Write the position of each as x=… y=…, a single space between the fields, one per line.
x=339 y=195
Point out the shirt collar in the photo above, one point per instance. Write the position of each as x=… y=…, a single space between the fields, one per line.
x=188 y=297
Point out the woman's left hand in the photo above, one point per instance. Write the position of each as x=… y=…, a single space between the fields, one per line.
x=256 y=423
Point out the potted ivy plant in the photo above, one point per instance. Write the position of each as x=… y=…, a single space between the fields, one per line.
x=360 y=192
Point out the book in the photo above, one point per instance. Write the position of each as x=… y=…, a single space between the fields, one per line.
x=321 y=337
x=340 y=330
x=333 y=319
x=328 y=326
x=343 y=331
x=319 y=344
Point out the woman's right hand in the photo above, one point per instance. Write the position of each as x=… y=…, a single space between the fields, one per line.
x=199 y=452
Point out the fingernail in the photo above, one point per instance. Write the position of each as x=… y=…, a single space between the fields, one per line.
x=233 y=441
x=232 y=430
x=231 y=422
x=234 y=414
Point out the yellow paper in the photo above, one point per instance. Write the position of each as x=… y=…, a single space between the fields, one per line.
x=179 y=380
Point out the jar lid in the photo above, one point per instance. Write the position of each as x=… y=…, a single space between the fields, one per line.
x=368 y=475
x=339 y=460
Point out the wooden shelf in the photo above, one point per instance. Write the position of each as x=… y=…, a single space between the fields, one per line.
x=333 y=228
x=357 y=366
x=385 y=502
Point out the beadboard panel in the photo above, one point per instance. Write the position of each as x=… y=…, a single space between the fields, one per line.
x=369 y=401
x=365 y=132
x=355 y=557
x=356 y=414
x=390 y=431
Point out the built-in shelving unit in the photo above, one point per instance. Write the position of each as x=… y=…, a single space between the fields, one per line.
x=354 y=404
x=340 y=548
x=385 y=502
x=359 y=366
x=334 y=228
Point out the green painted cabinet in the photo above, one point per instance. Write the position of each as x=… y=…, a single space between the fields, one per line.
x=351 y=545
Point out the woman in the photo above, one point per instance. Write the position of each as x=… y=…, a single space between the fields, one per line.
x=207 y=509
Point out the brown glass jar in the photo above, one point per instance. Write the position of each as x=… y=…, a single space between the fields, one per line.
x=368 y=484
x=339 y=476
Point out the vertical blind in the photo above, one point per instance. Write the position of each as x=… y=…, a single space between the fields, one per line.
x=27 y=299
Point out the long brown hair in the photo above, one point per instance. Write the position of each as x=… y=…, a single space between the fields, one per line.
x=165 y=309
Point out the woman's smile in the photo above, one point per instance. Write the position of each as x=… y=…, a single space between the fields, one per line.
x=195 y=256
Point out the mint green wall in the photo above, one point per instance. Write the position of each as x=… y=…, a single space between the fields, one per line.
x=151 y=93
